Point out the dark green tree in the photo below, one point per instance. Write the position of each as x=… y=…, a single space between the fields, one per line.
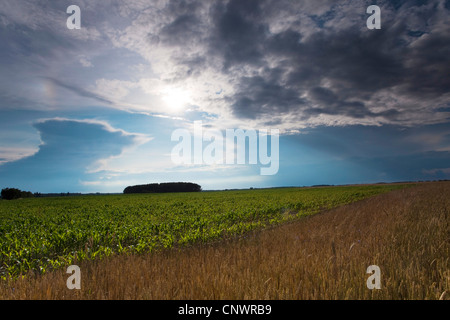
x=13 y=193
x=164 y=187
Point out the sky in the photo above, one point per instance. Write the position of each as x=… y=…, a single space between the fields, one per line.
x=95 y=109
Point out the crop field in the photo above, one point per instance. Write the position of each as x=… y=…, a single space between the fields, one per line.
x=41 y=234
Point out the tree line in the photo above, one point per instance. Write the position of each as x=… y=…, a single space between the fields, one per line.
x=164 y=187
x=13 y=193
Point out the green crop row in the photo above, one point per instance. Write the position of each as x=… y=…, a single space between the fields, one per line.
x=44 y=233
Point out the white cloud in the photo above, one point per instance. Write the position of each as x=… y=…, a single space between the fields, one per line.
x=9 y=154
x=85 y=62
x=113 y=89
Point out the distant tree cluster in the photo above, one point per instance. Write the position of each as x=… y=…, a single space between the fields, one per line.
x=164 y=187
x=12 y=193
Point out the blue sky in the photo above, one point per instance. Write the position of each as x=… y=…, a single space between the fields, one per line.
x=93 y=110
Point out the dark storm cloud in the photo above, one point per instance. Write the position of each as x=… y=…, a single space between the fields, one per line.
x=335 y=106
x=258 y=95
x=323 y=68
x=277 y=58
x=353 y=63
x=238 y=35
x=180 y=29
x=428 y=74
x=185 y=26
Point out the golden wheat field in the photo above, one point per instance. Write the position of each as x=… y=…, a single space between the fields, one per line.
x=405 y=232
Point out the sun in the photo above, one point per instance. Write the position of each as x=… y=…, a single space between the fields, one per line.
x=176 y=99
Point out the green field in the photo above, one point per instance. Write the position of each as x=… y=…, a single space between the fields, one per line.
x=43 y=233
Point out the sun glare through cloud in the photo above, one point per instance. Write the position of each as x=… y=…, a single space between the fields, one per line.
x=176 y=99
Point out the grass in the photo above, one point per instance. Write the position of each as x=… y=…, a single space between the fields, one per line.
x=324 y=256
x=45 y=234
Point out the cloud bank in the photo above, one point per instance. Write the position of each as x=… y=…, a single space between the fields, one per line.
x=297 y=64
x=68 y=148
x=285 y=64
